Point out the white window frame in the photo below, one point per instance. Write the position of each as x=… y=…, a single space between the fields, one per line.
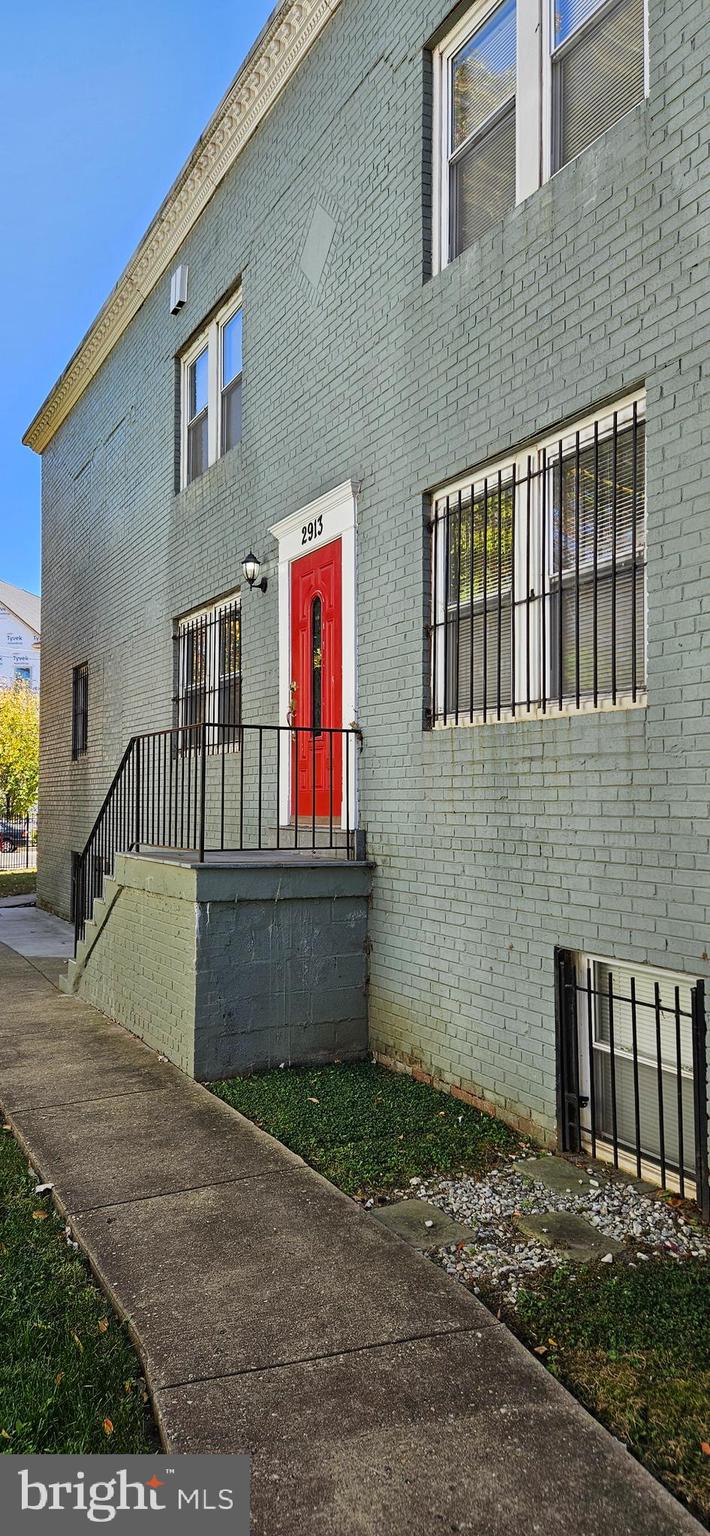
x=533 y=106
x=517 y=463
x=624 y=970
x=211 y=339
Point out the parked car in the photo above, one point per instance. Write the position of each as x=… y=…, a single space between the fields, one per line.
x=13 y=835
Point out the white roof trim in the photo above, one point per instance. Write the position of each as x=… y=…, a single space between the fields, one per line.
x=290 y=31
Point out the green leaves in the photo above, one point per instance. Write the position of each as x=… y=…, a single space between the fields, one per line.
x=19 y=749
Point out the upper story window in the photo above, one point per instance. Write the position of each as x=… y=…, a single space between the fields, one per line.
x=212 y=392
x=480 y=148
x=80 y=709
x=208 y=672
x=539 y=577
x=597 y=70
x=521 y=87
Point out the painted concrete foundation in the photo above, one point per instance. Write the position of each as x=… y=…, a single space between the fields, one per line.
x=228 y=969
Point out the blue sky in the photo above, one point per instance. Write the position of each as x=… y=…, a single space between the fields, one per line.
x=100 y=106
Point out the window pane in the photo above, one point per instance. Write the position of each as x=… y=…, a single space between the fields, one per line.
x=599 y=78
x=599 y=507
x=197 y=375
x=607 y=503
x=620 y=1099
x=230 y=641
x=466 y=693
x=232 y=348
x=488 y=535
x=231 y=415
x=483 y=73
x=569 y=14
x=605 y=609
x=483 y=184
x=480 y=547
x=197 y=447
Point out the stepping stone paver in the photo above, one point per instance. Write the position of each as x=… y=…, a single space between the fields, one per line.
x=556 y=1174
x=408 y=1219
x=575 y=1238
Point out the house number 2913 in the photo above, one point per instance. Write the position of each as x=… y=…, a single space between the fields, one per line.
x=312 y=530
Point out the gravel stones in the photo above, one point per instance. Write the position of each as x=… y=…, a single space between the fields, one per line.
x=503 y=1258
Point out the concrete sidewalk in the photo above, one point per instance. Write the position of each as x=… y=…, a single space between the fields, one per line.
x=273 y=1315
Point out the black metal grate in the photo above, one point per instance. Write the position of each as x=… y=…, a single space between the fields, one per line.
x=80 y=710
x=208 y=672
x=538 y=579
x=632 y=1069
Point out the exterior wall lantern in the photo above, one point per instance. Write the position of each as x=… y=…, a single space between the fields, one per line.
x=251 y=567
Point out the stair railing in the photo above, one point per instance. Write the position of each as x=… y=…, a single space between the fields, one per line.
x=270 y=788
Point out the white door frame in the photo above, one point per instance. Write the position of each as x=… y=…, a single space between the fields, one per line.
x=329 y=517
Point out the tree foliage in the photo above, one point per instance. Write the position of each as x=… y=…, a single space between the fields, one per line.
x=19 y=749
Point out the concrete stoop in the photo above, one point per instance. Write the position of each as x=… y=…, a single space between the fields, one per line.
x=233 y=967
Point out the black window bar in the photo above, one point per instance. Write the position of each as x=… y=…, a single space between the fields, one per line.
x=80 y=710
x=208 y=673
x=539 y=577
x=632 y=1070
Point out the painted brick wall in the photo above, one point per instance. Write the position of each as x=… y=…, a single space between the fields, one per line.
x=141 y=971
x=492 y=844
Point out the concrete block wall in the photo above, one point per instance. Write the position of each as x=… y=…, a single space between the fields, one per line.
x=492 y=844
x=281 y=967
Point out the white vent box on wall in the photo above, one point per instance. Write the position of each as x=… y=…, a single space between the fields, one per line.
x=178 y=290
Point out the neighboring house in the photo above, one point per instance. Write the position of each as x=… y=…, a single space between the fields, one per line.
x=20 y=627
x=422 y=325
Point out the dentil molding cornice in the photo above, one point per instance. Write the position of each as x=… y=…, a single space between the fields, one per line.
x=277 y=53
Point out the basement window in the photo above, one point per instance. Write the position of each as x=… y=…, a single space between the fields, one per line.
x=632 y=1073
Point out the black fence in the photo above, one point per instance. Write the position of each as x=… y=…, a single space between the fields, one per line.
x=632 y=1071
x=286 y=788
x=538 y=579
x=18 y=842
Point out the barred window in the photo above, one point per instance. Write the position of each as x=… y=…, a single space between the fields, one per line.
x=538 y=577
x=80 y=710
x=208 y=670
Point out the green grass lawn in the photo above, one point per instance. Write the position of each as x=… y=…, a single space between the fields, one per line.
x=69 y=1378
x=18 y=882
x=365 y=1128
x=634 y=1346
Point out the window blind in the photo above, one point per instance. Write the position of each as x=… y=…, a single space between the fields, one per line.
x=598 y=77
x=672 y=1030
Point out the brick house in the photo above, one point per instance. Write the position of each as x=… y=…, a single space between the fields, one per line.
x=421 y=328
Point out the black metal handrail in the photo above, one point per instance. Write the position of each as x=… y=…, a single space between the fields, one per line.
x=219 y=787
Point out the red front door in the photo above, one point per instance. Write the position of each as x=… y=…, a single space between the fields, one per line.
x=317 y=681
